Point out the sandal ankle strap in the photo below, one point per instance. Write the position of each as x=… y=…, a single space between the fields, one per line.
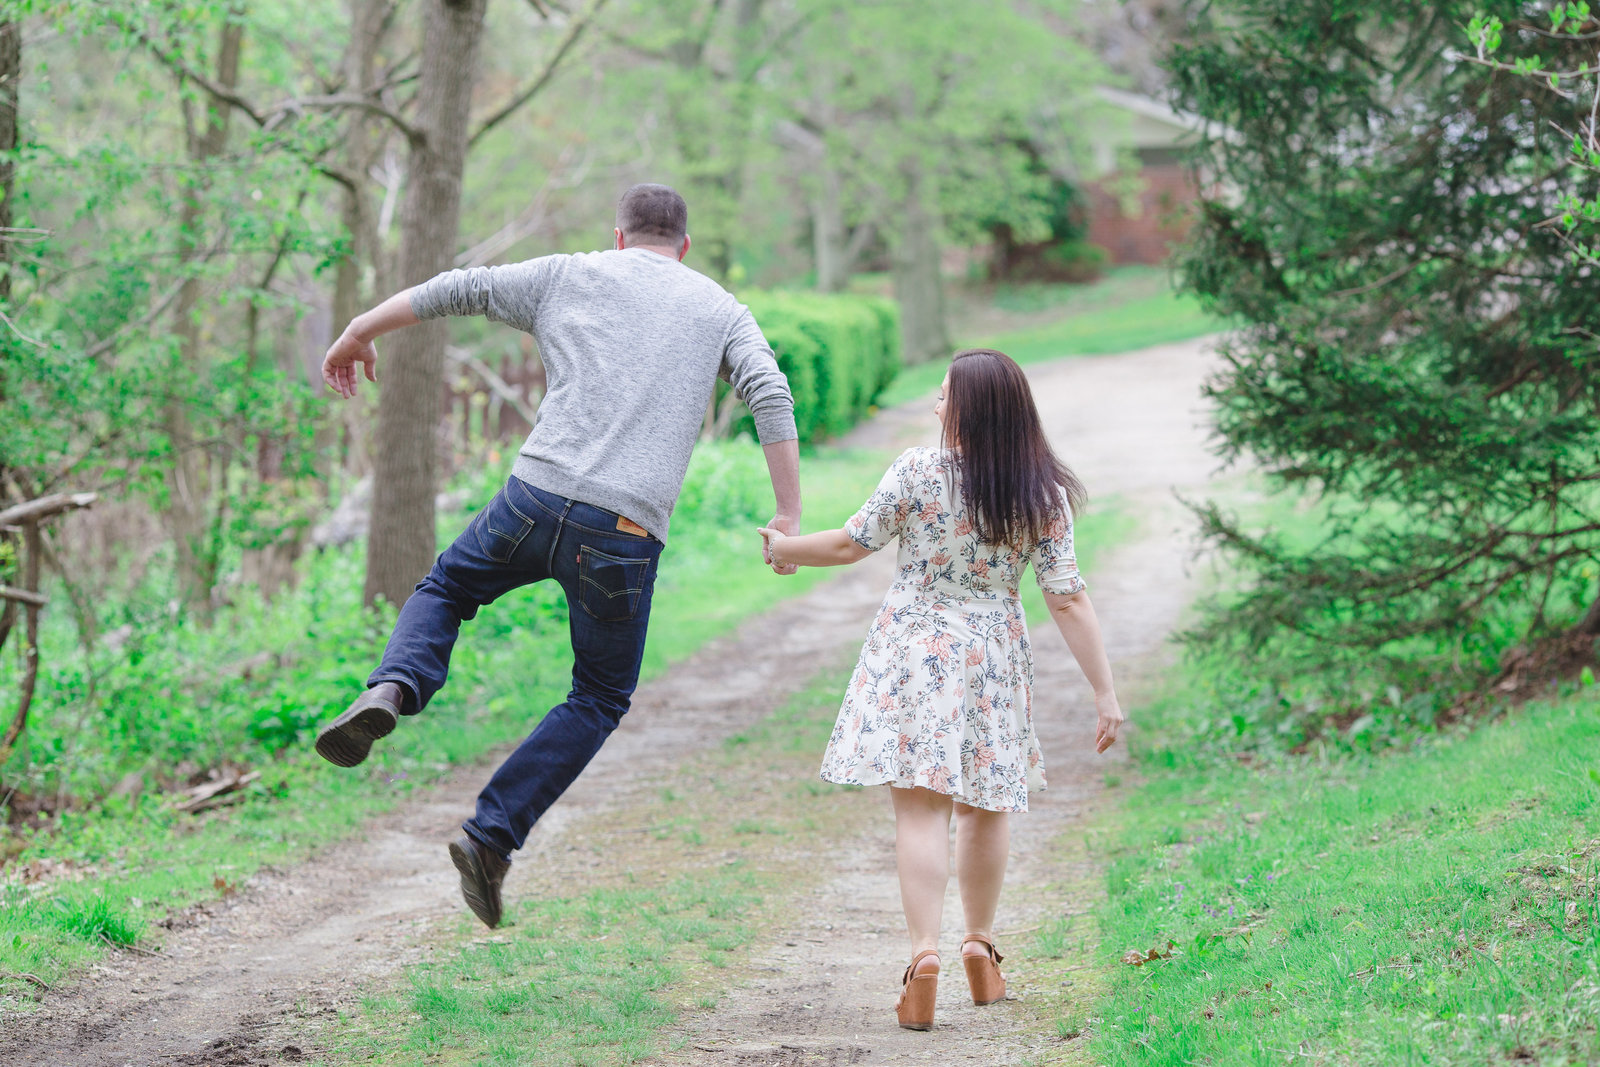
x=918 y=958
x=986 y=942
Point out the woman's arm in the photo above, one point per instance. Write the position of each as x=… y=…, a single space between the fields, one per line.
x=829 y=548
x=1074 y=616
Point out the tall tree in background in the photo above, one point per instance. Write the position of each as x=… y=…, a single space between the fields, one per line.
x=1420 y=346
x=198 y=471
x=401 y=542
x=151 y=230
x=923 y=137
x=10 y=82
x=401 y=538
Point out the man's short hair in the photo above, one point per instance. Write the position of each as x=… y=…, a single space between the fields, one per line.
x=653 y=212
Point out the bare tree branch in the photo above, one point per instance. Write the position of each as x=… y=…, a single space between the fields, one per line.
x=18 y=331
x=44 y=507
x=575 y=30
x=269 y=118
x=497 y=384
x=343 y=102
x=531 y=218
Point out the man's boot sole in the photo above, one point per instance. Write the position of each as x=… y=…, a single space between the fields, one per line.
x=473 y=878
x=347 y=740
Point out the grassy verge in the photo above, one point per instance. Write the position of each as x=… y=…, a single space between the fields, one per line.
x=106 y=873
x=1125 y=311
x=1439 y=905
x=1395 y=894
x=596 y=971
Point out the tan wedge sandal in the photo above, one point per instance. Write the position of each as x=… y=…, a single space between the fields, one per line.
x=921 y=989
x=983 y=971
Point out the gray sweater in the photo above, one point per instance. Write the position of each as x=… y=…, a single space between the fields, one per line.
x=633 y=344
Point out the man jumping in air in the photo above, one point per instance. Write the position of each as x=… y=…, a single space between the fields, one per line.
x=633 y=343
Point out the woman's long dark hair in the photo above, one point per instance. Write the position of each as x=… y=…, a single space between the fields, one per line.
x=1011 y=480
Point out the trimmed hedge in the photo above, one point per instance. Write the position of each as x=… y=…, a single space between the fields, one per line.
x=838 y=351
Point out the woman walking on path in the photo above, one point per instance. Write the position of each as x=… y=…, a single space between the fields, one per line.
x=940 y=704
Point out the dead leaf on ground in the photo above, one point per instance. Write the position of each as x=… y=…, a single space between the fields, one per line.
x=1134 y=958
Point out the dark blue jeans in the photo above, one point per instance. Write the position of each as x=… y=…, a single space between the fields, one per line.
x=527 y=535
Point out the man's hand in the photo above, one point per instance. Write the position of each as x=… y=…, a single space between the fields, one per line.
x=783 y=524
x=1110 y=720
x=339 y=365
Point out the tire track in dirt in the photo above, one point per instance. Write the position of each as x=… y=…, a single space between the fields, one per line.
x=240 y=981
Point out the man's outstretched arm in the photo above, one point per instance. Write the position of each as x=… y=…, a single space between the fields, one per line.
x=355 y=344
x=783 y=465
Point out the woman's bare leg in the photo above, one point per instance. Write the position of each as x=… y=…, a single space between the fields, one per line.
x=922 y=854
x=983 y=840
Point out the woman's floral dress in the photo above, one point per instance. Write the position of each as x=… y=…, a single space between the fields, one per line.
x=942 y=694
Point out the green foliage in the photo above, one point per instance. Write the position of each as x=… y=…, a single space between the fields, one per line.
x=1436 y=906
x=1570 y=24
x=150 y=357
x=165 y=697
x=839 y=353
x=1419 y=347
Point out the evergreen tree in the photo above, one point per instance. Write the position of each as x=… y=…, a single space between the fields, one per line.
x=1419 y=341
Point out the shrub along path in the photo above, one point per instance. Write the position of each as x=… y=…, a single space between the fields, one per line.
x=275 y=972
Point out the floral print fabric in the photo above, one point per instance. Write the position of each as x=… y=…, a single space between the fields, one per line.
x=942 y=694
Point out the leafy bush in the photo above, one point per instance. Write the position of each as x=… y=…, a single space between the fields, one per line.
x=838 y=351
x=158 y=699
x=1075 y=261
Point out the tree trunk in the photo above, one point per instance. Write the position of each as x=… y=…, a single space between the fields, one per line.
x=400 y=545
x=736 y=139
x=10 y=98
x=10 y=123
x=829 y=234
x=358 y=214
x=914 y=256
x=194 y=469
x=1591 y=620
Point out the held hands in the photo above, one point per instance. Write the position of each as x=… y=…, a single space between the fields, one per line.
x=772 y=535
x=339 y=365
x=1110 y=719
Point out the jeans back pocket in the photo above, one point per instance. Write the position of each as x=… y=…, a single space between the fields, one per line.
x=500 y=529
x=609 y=586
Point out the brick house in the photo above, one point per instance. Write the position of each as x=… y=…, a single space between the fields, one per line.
x=1135 y=215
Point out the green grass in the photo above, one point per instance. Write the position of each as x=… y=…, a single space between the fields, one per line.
x=597 y=973
x=1116 y=314
x=585 y=979
x=1439 y=905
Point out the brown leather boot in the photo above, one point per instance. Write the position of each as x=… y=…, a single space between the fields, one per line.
x=481 y=874
x=346 y=741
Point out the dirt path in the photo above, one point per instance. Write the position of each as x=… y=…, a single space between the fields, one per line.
x=1130 y=426
x=241 y=978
